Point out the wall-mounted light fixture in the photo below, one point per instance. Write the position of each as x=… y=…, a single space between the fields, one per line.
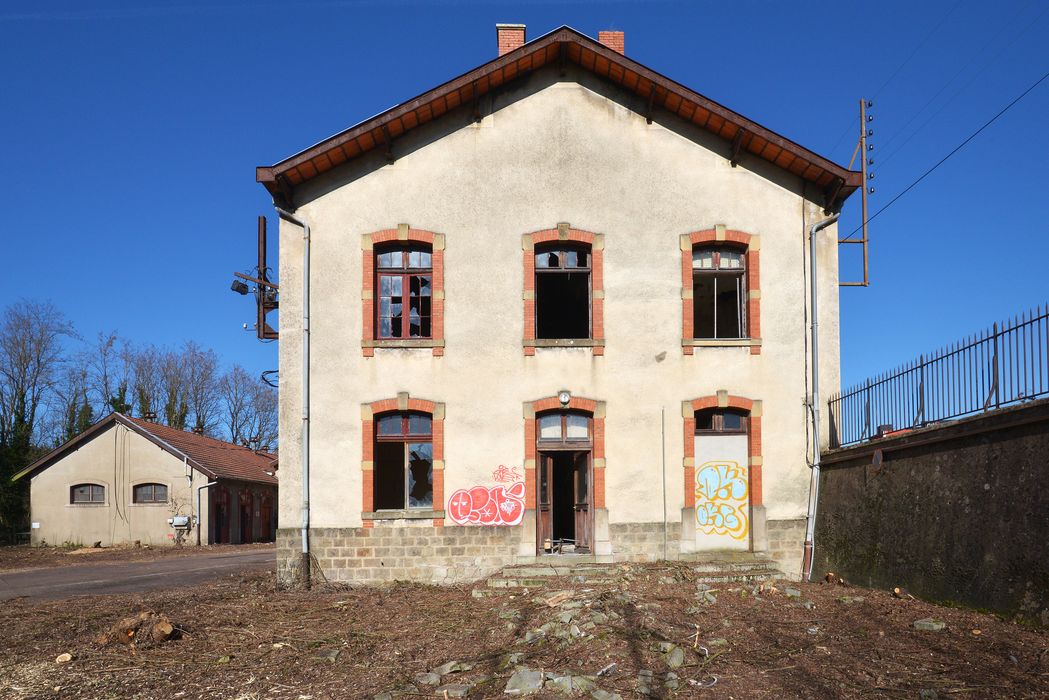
x=564 y=396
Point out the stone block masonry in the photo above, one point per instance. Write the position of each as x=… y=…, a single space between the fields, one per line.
x=373 y=555
x=787 y=545
x=643 y=541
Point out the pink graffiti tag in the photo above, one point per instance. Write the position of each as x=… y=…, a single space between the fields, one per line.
x=506 y=475
x=481 y=505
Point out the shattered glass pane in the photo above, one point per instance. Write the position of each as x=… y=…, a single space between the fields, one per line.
x=390 y=286
x=419 y=260
x=420 y=475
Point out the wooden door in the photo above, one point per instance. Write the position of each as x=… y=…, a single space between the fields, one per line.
x=581 y=501
x=544 y=516
x=265 y=518
x=246 y=520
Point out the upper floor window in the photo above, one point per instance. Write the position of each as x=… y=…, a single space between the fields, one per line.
x=721 y=420
x=562 y=291
x=87 y=493
x=403 y=469
x=719 y=292
x=405 y=291
x=150 y=493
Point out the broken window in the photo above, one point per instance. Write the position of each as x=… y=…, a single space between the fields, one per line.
x=562 y=291
x=150 y=493
x=404 y=276
x=87 y=493
x=403 y=468
x=719 y=292
x=721 y=420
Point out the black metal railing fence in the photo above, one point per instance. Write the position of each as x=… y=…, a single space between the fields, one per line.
x=1007 y=364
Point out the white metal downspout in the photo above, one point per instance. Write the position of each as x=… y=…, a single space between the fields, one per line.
x=814 y=480
x=305 y=564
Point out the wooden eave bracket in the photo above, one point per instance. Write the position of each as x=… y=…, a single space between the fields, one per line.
x=831 y=195
x=737 y=144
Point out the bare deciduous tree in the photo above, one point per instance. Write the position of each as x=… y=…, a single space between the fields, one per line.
x=200 y=373
x=112 y=368
x=31 y=357
x=149 y=384
x=250 y=409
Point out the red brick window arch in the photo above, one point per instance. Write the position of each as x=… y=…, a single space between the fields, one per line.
x=720 y=290
x=403 y=290
x=564 y=269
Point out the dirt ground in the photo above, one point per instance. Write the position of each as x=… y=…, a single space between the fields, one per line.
x=25 y=557
x=241 y=638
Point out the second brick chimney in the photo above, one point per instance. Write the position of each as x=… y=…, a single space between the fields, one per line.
x=613 y=40
x=510 y=36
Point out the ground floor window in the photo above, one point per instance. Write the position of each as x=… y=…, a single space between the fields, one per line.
x=403 y=461
x=150 y=493
x=87 y=493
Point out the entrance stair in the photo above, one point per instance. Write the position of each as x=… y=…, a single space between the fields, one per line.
x=714 y=568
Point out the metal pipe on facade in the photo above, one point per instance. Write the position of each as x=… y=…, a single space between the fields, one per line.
x=814 y=480
x=305 y=563
x=199 y=511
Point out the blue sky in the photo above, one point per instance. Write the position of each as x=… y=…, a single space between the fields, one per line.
x=130 y=134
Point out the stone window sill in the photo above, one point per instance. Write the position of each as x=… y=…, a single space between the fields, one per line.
x=405 y=343
x=721 y=342
x=408 y=514
x=565 y=343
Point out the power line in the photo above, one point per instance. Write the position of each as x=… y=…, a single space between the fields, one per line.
x=886 y=158
x=944 y=159
x=900 y=67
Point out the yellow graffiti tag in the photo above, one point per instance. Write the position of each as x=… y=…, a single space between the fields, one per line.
x=721 y=499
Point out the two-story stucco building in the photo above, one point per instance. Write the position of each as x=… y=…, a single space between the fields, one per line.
x=557 y=306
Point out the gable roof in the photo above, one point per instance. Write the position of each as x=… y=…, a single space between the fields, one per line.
x=215 y=459
x=563 y=45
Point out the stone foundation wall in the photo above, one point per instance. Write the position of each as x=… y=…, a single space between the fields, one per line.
x=787 y=545
x=370 y=555
x=643 y=541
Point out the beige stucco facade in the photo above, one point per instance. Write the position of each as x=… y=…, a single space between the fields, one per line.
x=118 y=459
x=556 y=148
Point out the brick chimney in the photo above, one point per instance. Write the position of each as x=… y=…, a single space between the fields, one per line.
x=613 y=40
x=511 y=36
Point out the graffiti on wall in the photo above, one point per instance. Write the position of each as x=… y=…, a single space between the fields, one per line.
x=490 y=505
x=721 y=499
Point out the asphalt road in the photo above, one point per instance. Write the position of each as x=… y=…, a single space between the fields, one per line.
x=133 y=577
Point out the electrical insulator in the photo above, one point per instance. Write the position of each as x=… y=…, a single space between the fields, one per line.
x=870 y=103
x=871 y=190
x=870 y=176
x=870 y=117
x=870 y=132
x=870 y=161
x=870 y=146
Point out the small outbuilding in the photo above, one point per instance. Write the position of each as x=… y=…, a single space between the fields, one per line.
x=126 y=480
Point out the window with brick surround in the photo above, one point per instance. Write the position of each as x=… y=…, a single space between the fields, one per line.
x=404 y=291
x=150 y=493
x=403 y=461
x=719 y=292
x=93 y=494
x=562 y=291
x=721 y=420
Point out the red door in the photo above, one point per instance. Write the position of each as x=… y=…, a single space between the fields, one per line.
x=247 y=522
x=265 y=518
x=220 y=527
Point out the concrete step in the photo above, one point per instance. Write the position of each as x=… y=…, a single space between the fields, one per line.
x=726 y=566
x=726 y=578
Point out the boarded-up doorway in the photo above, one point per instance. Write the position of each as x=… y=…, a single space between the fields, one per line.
x=722 y=483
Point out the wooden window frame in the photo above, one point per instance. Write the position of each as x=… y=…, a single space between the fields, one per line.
x=564 y=443
x=596 y=410
x=369 y=420
x=562 y=269
x=91 y=501
x=405 y=273
x=153 y=490
x=403 y=235
x=564 y=234
x=717 y=271
x=718 y=421
x=719 y=236
x=405 y=437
